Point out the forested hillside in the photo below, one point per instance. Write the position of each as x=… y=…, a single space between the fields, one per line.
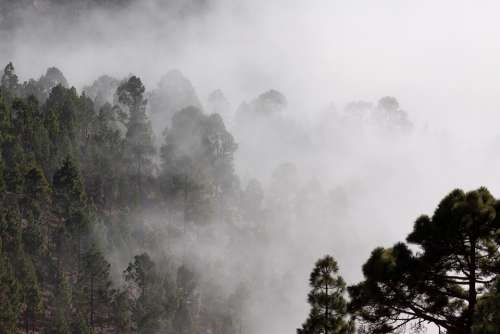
x=112 y=224
x=249 y=167
x=74 y=182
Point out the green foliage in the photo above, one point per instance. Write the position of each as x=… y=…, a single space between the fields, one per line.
x=9 y=80
x=10 y=295
x=5 y=119
x=60 y=323
x=2 y=177
x=33 y=239
x=131 y=94
x=197 y=165
x=80 y=326
x=94 y=282
x=13 y=157
x=440 y=284
x=121 y=314
x=62 y=305
x=139 y=148
x=69 y=193
x=488 y=312
x=103 y=166
x=146 y=302
x=32 y=294
x=11 y=233
x=36 y=185
x=328 y=306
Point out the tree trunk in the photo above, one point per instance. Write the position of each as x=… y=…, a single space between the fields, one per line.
x=139 y=179
x=92 y=302
x=26 y=320
x=326 y=309
x=472 y=297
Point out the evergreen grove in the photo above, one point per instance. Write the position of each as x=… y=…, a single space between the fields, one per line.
x=75 y=177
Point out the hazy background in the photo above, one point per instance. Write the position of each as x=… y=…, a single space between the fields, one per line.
x=441 y=60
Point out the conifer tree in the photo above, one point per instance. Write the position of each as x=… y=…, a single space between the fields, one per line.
x=62 y=302
x=146 y=308
x=328 y=306
x=443 y=282
x=32 y=294
x=2 y=179
x=95 y=283
x=70 y=199
x=9 y=80
x=36 y=185
x=183 y=321
x=121 y=312
x=80 y=326
x=11 y=233
x=68 y=188
x=10 y=295
x=488 y=317
x=139 y=146
x=13 y=156
x=33 y=239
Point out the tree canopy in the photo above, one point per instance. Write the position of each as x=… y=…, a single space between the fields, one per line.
x=328 y=305
x=437 y=277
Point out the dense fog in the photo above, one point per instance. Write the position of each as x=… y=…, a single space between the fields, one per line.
x=351 y=119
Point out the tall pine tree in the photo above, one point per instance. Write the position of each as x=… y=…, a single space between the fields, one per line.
x=328 y=306
x=139 y=147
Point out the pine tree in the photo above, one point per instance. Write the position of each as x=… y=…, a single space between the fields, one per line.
x=2 y=177
x=70 y=200
x=328 y=305
x=80 y=326
x=488 y=317
x=146 y=310
x=60 y=117
x=9 y=80
x=121 y=313
x=197 y=165
x=33 y=239
x=94 y=283
x=442 y=282
x=25 y=121
x=139 y=147
x=5 y=118
x=36 y=185
x=79 y=226
x=10 y=296
x=61 y=305
x=183 y=321
x=14 y=161
x=11 y=233
x=37 y=193
x=32 y=294
x=69 y=193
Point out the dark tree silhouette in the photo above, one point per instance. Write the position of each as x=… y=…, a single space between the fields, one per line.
x=328 y=306
x=440 y=284
x=139 y=146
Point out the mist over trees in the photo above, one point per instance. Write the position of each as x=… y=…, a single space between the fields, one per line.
x=73 y=187
x=79 y=252
x=109 y=226
x=136 y=198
